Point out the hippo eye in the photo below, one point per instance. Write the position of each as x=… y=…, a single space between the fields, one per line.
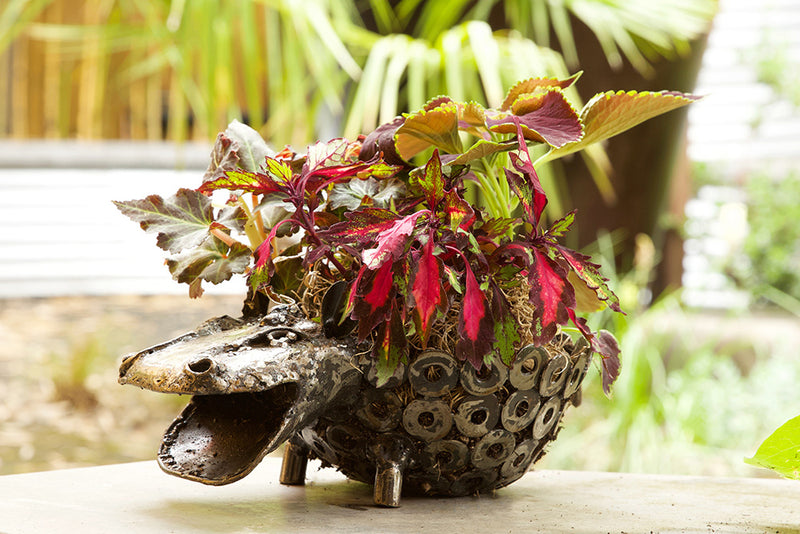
x=274 y=337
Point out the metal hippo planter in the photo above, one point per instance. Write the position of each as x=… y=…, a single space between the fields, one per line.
x=437 y=427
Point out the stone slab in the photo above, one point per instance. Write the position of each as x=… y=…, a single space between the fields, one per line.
x=138 y=497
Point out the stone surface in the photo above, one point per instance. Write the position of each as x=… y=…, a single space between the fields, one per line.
x=137 y=497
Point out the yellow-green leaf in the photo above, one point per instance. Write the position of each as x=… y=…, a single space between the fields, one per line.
x=433 y=126
x=611 y=113
x=781 y=451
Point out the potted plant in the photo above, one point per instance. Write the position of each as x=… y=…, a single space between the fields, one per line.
x=449 y=307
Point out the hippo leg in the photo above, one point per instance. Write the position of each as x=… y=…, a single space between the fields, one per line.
x=390 y=453
x=293 y=468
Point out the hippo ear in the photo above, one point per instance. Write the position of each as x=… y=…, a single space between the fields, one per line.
x=334 y=321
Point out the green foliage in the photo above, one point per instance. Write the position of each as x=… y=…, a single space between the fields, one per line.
x=781 y=450
x=773 y=243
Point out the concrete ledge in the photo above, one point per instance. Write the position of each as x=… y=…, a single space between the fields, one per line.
x=138 y=497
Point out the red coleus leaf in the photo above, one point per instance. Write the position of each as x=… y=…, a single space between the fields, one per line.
x=427 y=291
x=391 y=242
x=249 y=182
x=390 y=347
x=526 y=184
x=551 y=295
x=375 y=297
x=590 y=273
x=475 y=323
x=604 y=344
x=432 y=180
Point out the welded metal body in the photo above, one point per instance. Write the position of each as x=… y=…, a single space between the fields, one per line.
x=437 y=428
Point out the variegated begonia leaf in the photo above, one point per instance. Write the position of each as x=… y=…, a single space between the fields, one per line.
x=475 y=323
x=611 y=113
x=551 y=295
x=212 y=261
x=182 y=221
x=238 y=147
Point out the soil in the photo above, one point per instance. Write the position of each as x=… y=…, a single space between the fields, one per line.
x=60 y=404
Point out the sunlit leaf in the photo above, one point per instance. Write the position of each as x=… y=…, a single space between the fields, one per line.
x=611 y=113
x=483 y=149
x=361 y=227
x=239 y=146
x=249 y=182
x=458 y=212
x=560 y=227
x=532 y=84
x=434 y=126
x=590 y=273
x=432 y=181
x=781 y=450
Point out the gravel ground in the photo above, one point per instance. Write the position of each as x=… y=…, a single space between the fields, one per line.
x=60 y=404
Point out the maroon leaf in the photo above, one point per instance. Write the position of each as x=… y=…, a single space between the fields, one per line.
x=427 y=291
x=526 y=184
x=604 y=344
x=374 y=301
x=551 y=296
x=475 y=324
x=544 y=116
x=590 y=273
x=390 y=347
x=392 y=240
x=381 y=140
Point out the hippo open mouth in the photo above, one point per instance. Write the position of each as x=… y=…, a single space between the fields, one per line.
x=254 y=384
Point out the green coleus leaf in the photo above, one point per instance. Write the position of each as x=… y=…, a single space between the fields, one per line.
x=182 y=221
x=212 y=261
x=611 y=113
x=475 y=323
x=239 y=146
x=427 y=291
x=560 y=227
x=390 y=347
x=506 y=328
x=249 y=182
x=781 y=451
x=435 y=125
x=545 y=116
x=532 y=85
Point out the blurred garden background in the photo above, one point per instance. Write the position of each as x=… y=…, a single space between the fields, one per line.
x=695 y=215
